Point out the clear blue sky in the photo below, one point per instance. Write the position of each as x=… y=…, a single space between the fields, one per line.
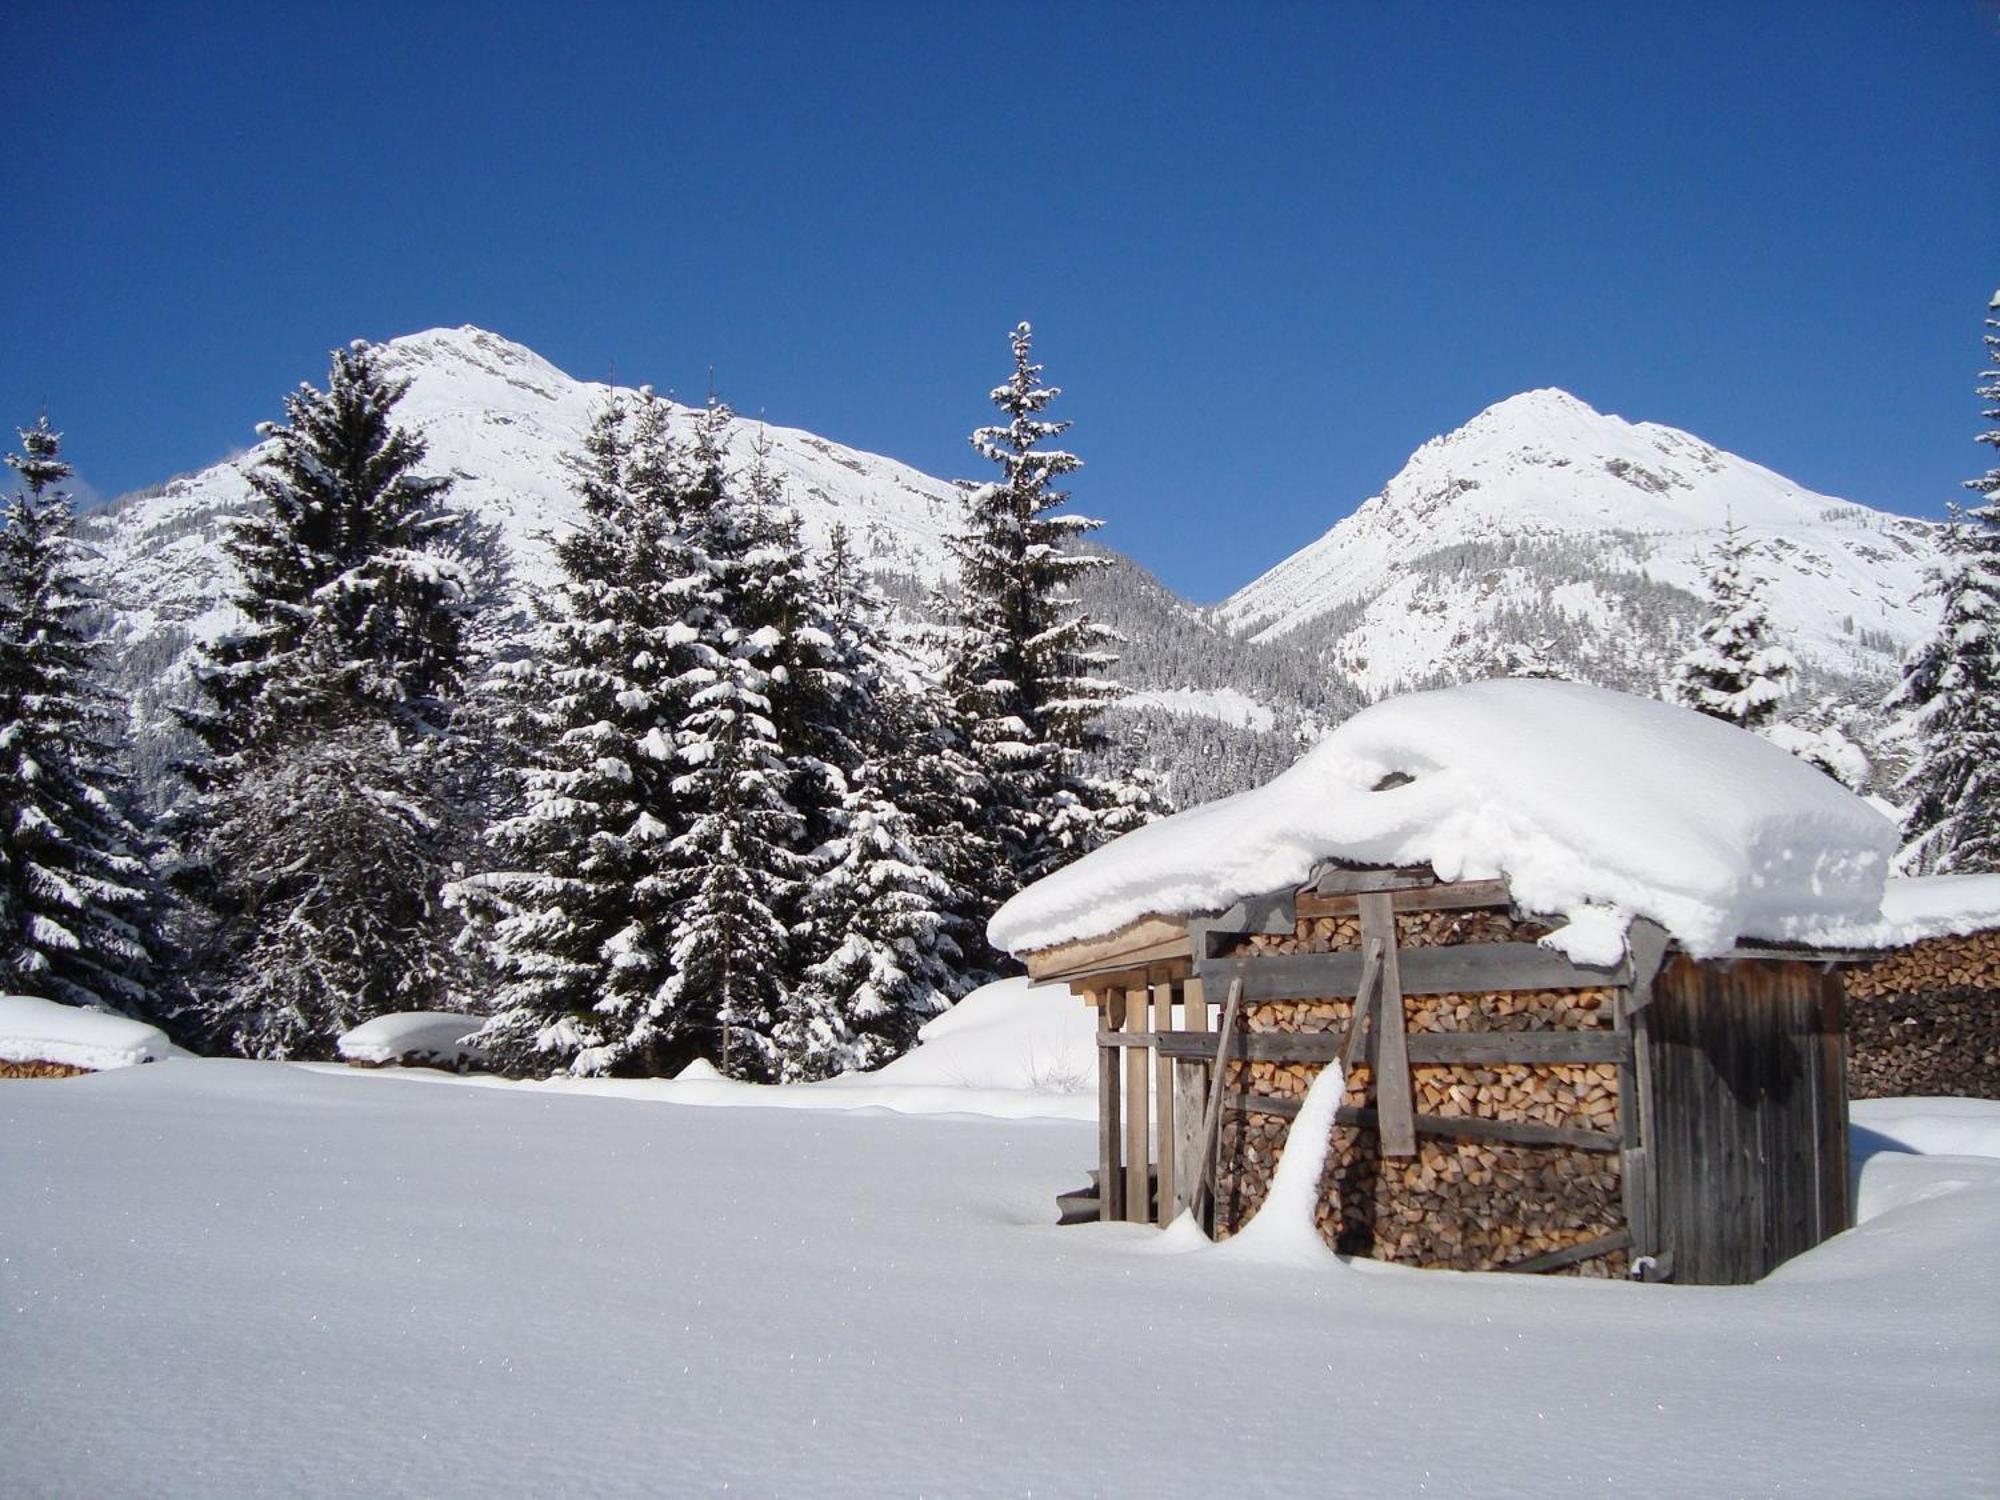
x=1268 y=249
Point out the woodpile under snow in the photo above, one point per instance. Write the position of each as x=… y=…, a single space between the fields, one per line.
x=1926 y=1020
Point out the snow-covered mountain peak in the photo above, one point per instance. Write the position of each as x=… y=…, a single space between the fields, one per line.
x=1585 y=492
x=473 y=359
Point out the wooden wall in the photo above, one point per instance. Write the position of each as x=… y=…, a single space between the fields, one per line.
x=1746 y=1114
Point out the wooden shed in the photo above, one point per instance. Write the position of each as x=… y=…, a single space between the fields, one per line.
x=1505 y=1107
x=1561 y=1054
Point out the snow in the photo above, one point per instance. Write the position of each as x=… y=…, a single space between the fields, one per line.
x=1917 y=907
x=1284 y=1230
x=1226 y=705
x=439 y=1036
x=1007 y=1051
x=575 y=1295
x=1597 y=806
x=37 y=1030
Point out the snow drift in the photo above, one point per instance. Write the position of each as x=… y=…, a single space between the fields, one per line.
x=1595 y=805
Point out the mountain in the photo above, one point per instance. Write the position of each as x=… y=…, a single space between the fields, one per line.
x=1541 y=524
x=500 y=420
x=1545 y=523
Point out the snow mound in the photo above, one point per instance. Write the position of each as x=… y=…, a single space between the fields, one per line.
x=1005 y=1035
x=424 y=1036
x=36 y=1030
x=1285 y=1230
x=1593 y=804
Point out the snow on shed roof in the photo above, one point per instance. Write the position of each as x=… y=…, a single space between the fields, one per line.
x=1595 y=805
x=37 y=1030
x=1919 y=907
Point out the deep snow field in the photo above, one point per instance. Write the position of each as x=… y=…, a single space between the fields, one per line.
x=231 y=1278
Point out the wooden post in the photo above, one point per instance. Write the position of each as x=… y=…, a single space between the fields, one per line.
x=1393 y=1094
x=1194 y=1004
x=1138 y=1145
x=1211 y=1117
x=1163 y=1094
x=1110 y=1180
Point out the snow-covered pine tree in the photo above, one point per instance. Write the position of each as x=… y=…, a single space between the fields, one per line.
x=75 y=895
x=1735 y=671
x=1951 y=682
x=875 y=933
x=328 y=721
x=581 y=908
x=1027 y=669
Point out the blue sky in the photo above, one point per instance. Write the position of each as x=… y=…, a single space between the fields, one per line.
x=1268 y=249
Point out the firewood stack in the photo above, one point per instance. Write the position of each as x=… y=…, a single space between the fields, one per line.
x=1459 y=1202
x=1926 y=1020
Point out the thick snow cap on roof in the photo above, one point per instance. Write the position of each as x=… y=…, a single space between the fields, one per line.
x=37 y=1030
x=1595 y=805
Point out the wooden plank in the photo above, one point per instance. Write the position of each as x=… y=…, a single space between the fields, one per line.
x=1128 y=1038
x=1837 y=1213
x=1361 y=882
x=1110 y=1177
x=1138 y=1136
x=1463 y=895
x=1211 y=1119
x=1163 y=1101
x=1190 y=1093
x=1467 y=968
x=1365 y=1000
x=1393 y=1093
x=1569 y=1255
x=1135 y=943
x=1194 y=1004
x=1474 y=1127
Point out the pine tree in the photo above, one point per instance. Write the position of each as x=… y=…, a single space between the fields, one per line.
x=877 y=919
x=581 y=908
x=1951 y=682
x=330 y=725
x=1026 y=674
x=75 y=896
x=1735 y=671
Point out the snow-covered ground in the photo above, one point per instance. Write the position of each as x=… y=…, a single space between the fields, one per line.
x=229 y=1278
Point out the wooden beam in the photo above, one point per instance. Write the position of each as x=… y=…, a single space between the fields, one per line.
x=1465 y=968
x=1351 y=882
x=1459 y=896
x=1110 y=1179
x=1138 y=1140
x=1555 y=1260
x=1393 y=1093
x=1476 y=1127
x=1135 y=943
x=1365 y=1000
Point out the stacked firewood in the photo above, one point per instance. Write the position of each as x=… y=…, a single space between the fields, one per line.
x=1414 y=929
x=1934 y=965
x=1926 y=1020
x=1459 y=1202
x=39 y=1070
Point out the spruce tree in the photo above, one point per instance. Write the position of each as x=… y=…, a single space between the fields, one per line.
x=1026 y=675
x=875 y=934
x=75 y=895
x=329 y=718
x=581 y=907
x=1735 y=671
x=1951 y=682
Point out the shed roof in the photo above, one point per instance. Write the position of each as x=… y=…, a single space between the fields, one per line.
x=1595 y=805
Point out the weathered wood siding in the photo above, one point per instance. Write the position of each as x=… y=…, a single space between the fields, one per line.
x=1747 y=1130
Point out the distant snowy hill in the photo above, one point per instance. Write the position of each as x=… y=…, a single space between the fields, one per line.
x=1543 y=520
